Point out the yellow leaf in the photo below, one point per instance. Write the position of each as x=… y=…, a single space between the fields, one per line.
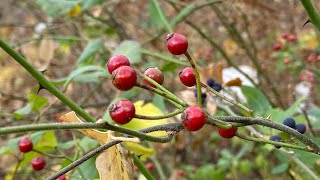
x=75 y=11
x=113 y=163
x=140 y=150
x=148 y=109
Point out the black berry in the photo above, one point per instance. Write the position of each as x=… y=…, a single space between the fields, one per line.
x=301 y=128
x=290 y=122
x=277 y=139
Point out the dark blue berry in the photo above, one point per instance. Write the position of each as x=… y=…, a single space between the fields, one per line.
x=203 y=95
x=277 y=139
x=290 y=122
x=217 y=87
x=211 y=82
x=301 y=128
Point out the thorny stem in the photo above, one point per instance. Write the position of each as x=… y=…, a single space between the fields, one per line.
x=142 y=168
x=250 y=111
x=196 y=73
x=158 y=117
x=45 y=83
x=312 y=12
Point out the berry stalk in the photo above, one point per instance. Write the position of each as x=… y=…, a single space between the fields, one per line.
x=196 y=73
x=158 y=117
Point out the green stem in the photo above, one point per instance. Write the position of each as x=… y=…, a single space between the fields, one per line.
x=250 y=111
x=160 y=56
x=312 y=12
x=47 y=154
x=142 y=168
x=45 y=83
x=158 y=167
x=159 y=117
x=178 y=104
x=282 y=144
x=169 y=94
x=196 y=73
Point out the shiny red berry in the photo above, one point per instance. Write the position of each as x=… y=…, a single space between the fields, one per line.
x=25 y=145
x=117 y=61
x=187 y=77
x=150 y=166
x=124 y=78
x=177 y=44
x=286 y=61
x=227 y=133
x=38 y=163
x=155 y=74
x=193 y=118
x=122 y=111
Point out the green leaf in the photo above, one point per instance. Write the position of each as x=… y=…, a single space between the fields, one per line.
x=56 y=8
x=314 y=117
x=38 y=102
x=280 y=168
x=256 y=100
x=92 y=47
x=155 y=20
x=183 y=14
x=88 y=169
x=293 y=108
x=20 y=113
x=159 y=102
x=130 y=49
x=161 y=15
x=86 y=4
x=89 y=74
x=5 y=150
x=209 y=172
x=48 y=142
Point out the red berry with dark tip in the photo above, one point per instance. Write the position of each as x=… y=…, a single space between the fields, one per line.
x=116 y=62
x=177 y=44
x=155 y=74
x=122 y=111
x=124 y=78
x=187 y=77
x=38 y=163
x=150 y=166
x=25 y=145
x=193 y=118
x=227 y=133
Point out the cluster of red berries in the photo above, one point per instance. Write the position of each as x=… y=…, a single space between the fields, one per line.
x=25 y=145
x=124 y=78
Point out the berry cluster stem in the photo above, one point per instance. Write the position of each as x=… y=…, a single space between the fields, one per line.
x=250 y=111
x=196 y=73
x=168 y=93
x=159 y=117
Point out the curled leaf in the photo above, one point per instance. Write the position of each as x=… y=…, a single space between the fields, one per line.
x=233 y=82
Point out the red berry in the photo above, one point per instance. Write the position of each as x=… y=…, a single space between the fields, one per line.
x=286 y=61
x=150 y=166
x=124 y=78
x=227 y=133
x=38 y=163
x=292 y=38
x=193 y=118
x=25 y=145
x=122 y=111
x=117 y=61
x=187 y=77
x=284 y=36
x=277 y=47
x=155 y=74
x=63 y=177
x=177 y=44
x=181 y=172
